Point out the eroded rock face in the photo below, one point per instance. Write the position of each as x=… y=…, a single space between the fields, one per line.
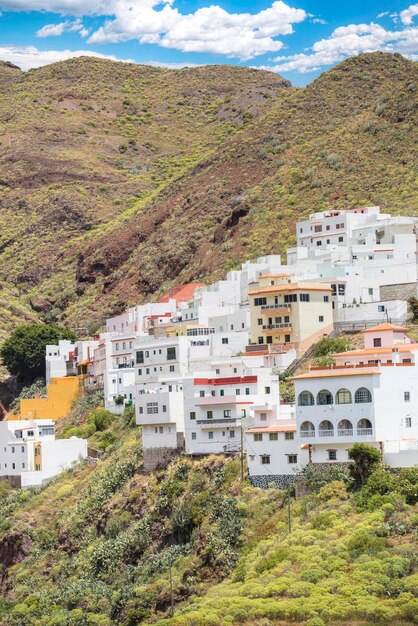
x=13 y=549
x=40 y=304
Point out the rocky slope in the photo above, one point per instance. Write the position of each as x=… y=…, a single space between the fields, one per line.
x=119 y=180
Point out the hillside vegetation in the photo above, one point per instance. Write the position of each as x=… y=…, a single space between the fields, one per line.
x=118 y=181
x=106 y=544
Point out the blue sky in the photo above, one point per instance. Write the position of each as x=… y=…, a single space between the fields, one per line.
x=298 y=39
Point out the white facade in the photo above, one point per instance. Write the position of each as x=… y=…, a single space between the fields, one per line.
x=60 y=360
x=30 y=452
x=370 y=396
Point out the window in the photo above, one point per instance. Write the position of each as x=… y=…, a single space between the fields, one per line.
x=13 y=449
x=306 y=399
x=332 y=455
x=13 y=465
x=141 y=410
x=407 y=396
x=225 y=340
x=193 y=415
x=140 y=357
x=370 y=291
x=377 y=342
x=381 y=308
x=147 y=370
x=289 y=436
x=265 y=459
x=37 y=467
x=304 y=297
x=286 y=338
x=171 y=354
x=213 y=393
x=258 y=436
x=23 y=465
x=156 y=430
x=286 y=319
x=237 y=392
x=171 y=368
x=320 y=318
x=202 y=394
x=326 y=298
x=408 y=422
x=343 y=397
x=324 y=397
x=217 y=371
x=37 y=452
x=139 y=372
x=318 y=229
x=221 y=392
x=164 y=408
x=266 y=390
x=260 y=321
x=194 y=436
x=290 y=298
x=22 y=449
x=292 y=458
x=362 y=396
x=263 y=417
x=117 y=346
x=227 y=413
x=146 y=354
x=152 y=408
x=260 y=301
x=243 y=412
x=340 y=239
x=209 y=414
x=210 y=434
x=260 y=340
x=161 y=429
x=232 y=434
x=273 y=436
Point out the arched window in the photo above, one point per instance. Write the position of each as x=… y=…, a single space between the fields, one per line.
x=307 y=429
x=364 y=427
x=326 y=429
x=362 y=395
x=343 y=397
x=345 y=427
x=324 y=397
x=306 y=399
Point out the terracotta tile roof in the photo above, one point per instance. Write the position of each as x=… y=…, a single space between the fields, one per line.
x=362 y=371
x=290 y=287
x=385 y=326
x=182 y=293
x=282 y=275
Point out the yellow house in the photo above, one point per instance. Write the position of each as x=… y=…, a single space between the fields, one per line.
x=289 y=315
x=61 y=393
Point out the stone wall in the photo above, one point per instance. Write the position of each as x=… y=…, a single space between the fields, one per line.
x=158 y=458
x=398 y=292
x=279 y=480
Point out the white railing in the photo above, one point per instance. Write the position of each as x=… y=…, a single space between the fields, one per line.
x=307 y=433
x=326 y=433
x=272 y=326
x=345 y=432
x=362 y=432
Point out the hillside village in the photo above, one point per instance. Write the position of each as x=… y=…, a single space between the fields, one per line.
x=227 y=368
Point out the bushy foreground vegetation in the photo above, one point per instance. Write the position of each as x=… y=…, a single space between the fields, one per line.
x=193 y=546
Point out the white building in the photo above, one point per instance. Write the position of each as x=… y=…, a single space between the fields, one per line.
x=30 y=454
x=60 y=360
x=369 y=396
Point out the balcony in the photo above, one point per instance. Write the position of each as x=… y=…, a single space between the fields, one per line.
x=219 y=421
x=215 y=400
x=270 y=327
x=326 y=433
x=123 y=366
x=364 y=432
x=345 y=432
x=306 y=434
x=283 y=307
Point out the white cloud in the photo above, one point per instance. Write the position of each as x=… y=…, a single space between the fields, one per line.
x=209 y=29
x=408 y=14
x=318 y=20
x=27 y=57
x=383 y=14
x=55 y=30
x=347 y=41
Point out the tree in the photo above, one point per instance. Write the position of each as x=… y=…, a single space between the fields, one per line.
x=23 y=352
x=330 y=345
x=365 y=461
x=413 y=305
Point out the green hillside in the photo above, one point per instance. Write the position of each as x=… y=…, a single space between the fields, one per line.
x=106 y=544
x=118 y=181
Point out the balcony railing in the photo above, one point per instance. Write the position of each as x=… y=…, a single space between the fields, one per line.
x=123 y=366
x=307 y=433
x=326 y=433
x=273 y=326
x=283 y=305
x=345 y=432
x=364 y=432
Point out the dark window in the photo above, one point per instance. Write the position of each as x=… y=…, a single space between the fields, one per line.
x=140 y=357
x=377 y=342
x=171 y=354
x=304 y=297
x=260 y=301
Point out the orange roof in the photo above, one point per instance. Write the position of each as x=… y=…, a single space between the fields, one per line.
x=276 y=428
x=407 y=347
x=182 y=293
x=385 y=326
x=290 y=287
x=362 y=371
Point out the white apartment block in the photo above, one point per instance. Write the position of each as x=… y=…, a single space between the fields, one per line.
x=60 y=360
x=30 y=454
x=220 y=402
x=369 y=396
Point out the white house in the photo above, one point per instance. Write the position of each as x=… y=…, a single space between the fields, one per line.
x=369 y=396
x=30 y=454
